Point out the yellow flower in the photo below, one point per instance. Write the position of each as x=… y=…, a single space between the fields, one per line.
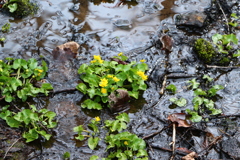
x=120 y=54
x=142 y=60
x=109 y=76
x=97 y=59
x=112 y=88
x=97 y=119
x=40 y=70
x=125 y=142
x=103 y=83
x=142 y=75
x=93 y=61
x=104 y=90
x=116 y=79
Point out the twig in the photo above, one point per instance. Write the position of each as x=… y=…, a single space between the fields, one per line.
x=163 y=85
x=223 y=15
x=227 y=67
x=173 y=141
x=11 y=147
x=155 y=133
x=218 y=138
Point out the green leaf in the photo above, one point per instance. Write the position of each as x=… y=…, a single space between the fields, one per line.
x=141 y=152
x=123 y=117
x=172 y=88
x=82 y=68
x=133 y=94
x=91 y=105
x=32 y=63
x=67 y=155
x=82 y=88
x=214 y=89
x=12 y=7
x=180 y=102
x=237 y=54
x=93 y=142
x=12 y=122
x=197 y=101
x=208 y=103
x=31 y=135
x=78 y=129
x=229 y=38
x=46 y=86
x=44 y=134
x=216 y=38
x=94 y=157
x=216 y=111
x=209 y=79
x=194 y=116
x=193 y=83
x=199 y=92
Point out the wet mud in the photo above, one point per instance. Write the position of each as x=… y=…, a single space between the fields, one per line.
x=133 y=27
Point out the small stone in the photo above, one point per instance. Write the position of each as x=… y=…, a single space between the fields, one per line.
x=195 y=19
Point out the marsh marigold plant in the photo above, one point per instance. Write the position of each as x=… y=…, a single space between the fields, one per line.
x=100 y=78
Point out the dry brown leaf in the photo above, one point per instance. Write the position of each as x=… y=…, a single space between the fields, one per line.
x=167 y=42
x=180 y=119
x=73 y=46
x=190 y=156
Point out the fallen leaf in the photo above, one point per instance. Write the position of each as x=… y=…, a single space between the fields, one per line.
x=190 y=156
x=119 y=61
x=66 y=51
x=167 y=42
x=73 y=46
x=180 y=118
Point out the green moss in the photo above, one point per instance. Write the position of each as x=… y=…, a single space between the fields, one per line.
x=21 y=8
x=204 y=50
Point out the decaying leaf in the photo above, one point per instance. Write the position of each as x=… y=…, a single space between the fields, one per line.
x=190 y=156
x=66 y=51
x=179 y=118
x=73 y=46
x=119 y=102
x=167 y=42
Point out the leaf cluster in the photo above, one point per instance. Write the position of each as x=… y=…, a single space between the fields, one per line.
x=123 y=145
x=35 y=122
x=202 y=101
x=17 y=78
x=101 y=78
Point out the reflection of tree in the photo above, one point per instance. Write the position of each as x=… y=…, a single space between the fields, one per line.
x=130 y=3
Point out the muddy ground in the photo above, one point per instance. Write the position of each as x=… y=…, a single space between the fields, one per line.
x=135 y=28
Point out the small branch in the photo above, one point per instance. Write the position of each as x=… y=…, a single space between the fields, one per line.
x=153 y=134
x=163 y=85
x=11 y=147
x=215 y=141
x=223 y=15
x=173 y=141
x=227 y=67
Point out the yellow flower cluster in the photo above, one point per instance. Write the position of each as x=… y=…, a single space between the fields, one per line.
x=103 y=83
x=103 y=90
x=142 y=60
x=142 y=75
x=97 y=59
x=97 y=119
